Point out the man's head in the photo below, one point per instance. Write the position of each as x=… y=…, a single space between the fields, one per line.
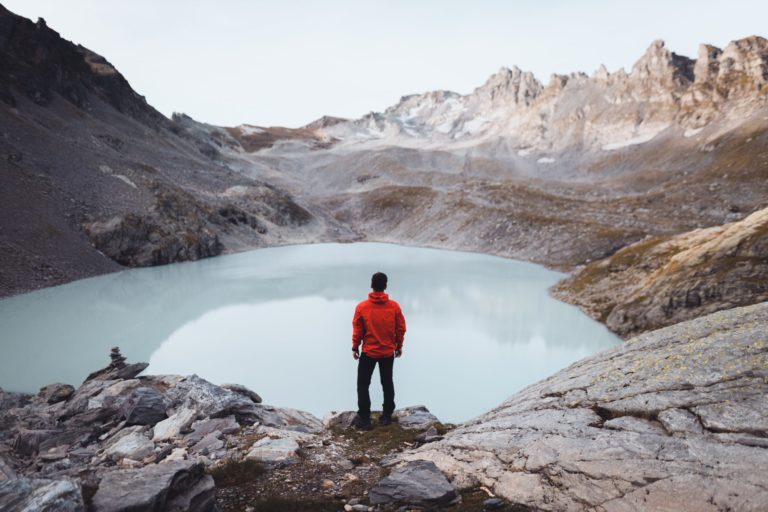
x=379 y=282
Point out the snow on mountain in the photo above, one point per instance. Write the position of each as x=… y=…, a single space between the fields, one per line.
x=604 y=112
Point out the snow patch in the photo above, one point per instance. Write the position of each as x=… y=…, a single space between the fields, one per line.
x=125 y=179
x=237 y=190
x=247 y=129
x=631 y=142
x=524 y=152
x=690 y=132
x=545 y=160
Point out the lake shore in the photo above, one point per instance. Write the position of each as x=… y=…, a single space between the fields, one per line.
x=674 y=416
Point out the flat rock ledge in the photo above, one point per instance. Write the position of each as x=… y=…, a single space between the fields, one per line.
x=676 y=419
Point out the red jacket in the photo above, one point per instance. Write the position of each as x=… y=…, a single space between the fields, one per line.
x=379 y=323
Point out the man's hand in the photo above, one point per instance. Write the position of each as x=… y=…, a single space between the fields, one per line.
x=398 y=352
x=355 y=355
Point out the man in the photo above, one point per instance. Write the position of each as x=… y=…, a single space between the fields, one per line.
x=380 y=326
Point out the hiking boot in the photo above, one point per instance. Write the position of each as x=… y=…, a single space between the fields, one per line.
x=362 y=423
x=385 y=420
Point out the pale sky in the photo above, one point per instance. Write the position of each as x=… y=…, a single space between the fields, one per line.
x=289 y=62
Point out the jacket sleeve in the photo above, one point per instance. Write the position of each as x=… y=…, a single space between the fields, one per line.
x=358 y=328
x=399 y=329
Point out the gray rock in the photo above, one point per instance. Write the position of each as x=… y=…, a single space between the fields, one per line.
x=6 y=470
x=173 y=426
x=40 y=495
x=415 y=417
x=211 y=400
x=27 y=442
x=134 y=446
x=209 y=444
x=202 y=428
x=273 y=450
x=145 y=406
x=244 y=391
x=286 y=418
x=632 y=424
x=552 y=447
x=680 y=421
x=180 y=485
x=54 y=393
x=418 y=482
x=341 y=420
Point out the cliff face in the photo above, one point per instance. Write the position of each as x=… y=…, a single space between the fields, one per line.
x=664 y=280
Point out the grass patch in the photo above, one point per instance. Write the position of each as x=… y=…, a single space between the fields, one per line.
x=233 y=473
x=383 y=439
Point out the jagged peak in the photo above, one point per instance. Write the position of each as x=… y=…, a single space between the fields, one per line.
x=601 y=73
x=660 y=63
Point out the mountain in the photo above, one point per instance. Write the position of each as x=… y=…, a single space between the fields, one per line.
x=93 y=178
x=564 y=174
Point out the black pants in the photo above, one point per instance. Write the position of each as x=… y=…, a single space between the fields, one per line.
x=365 y=366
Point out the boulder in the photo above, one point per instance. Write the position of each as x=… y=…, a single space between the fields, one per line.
x=273 y=450
x=418 y=483
x=341 y=420
x=27 y=442
x=145 y=406
x=6 y=470
x=134 y=446
x=209 y=444
x=415 y=417
x=211 y=400
x=173 y=426
x=202 y=428
x=54 y=393
x=180 y=485
x=40 y=495
x=244 y=391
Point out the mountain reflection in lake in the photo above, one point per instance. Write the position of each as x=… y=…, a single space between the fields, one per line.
x=279 y=321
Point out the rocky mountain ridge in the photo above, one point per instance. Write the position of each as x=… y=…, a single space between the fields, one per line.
x=663 y=91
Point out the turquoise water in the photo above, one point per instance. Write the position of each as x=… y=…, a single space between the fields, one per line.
x=279 y=321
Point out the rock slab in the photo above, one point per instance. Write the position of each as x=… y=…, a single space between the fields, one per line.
x=145 y=406
x=418 y=482
x=273 y=450
x=40 y=495
x=179 y=486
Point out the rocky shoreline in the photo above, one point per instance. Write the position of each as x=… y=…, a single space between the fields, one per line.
x=126 y=441
x=674 y=418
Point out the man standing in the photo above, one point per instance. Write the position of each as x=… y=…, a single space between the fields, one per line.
x=380 y=326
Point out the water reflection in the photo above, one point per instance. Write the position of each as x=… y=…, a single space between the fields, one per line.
x=278 y=320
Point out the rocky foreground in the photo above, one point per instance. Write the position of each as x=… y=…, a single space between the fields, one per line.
x=675 y=419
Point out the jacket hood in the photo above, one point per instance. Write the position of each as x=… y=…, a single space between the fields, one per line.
x=378 y=297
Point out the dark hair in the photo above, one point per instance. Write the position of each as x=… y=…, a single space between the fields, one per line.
x=379 y=282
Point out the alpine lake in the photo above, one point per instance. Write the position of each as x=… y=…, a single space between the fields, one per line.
x=279 y=321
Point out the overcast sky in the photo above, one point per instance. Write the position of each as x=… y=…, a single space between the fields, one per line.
x=289 y=62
